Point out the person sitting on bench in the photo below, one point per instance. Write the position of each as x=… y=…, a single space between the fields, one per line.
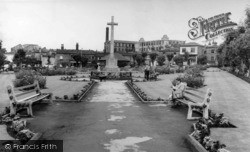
x=178 y=91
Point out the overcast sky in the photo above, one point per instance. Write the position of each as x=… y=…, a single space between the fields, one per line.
x=50 y=23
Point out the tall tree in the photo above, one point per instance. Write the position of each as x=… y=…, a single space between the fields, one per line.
x=19 y=57
x=2 y=58
x=161 y=59
x=153 y=57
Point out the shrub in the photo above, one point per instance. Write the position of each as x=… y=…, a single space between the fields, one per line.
x=59 y=71
x=26 y=77
x=193 y=82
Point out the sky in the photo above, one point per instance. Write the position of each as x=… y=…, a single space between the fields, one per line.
x=50 y=23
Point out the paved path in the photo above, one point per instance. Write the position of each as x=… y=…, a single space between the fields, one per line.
x=112 y=119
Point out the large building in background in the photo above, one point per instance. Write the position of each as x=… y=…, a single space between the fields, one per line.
x=159 y=45
x=162 y=45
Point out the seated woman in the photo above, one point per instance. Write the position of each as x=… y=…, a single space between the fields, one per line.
x=178 y=91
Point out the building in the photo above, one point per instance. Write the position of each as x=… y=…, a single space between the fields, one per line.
x=158 y=45
x=63 y=57
x=122 y=46
x=26 y=47
x=193 y=49
x=211 y=52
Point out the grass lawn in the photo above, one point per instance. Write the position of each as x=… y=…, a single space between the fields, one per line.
x=54 y=85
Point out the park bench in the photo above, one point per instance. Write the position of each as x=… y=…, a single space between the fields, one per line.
x=153 y=76
x=23 y=97
x=196 y=106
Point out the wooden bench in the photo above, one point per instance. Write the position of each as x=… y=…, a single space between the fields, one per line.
x=23 y=97
x=198 y=106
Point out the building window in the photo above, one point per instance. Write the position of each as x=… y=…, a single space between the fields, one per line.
x=192 y=50
x=212 y=51
x=183 y=50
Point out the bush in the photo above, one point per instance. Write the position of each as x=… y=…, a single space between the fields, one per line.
x=59 y=71
x=26 y=77
x=193 y=82
x=193 y=77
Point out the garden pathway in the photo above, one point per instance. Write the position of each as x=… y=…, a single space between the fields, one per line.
x=112 y=119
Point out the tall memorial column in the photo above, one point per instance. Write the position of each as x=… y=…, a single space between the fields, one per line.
x=111 y=63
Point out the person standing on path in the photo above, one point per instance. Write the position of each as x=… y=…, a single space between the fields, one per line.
x=147 y=69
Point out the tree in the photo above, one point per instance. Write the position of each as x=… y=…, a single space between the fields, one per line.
x=170 y=56
x=178 y=60
x=153 y=57
x=144 y=55
x=247 y=20
x=139 y=59
x=202 y=59
x=77 y=58
x=161 y=59
x=2 y=58
x=19 y=57
x=84 y=61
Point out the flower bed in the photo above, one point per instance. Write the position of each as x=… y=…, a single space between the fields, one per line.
x=122 y=75
x=73 y=78
x=202 y=128
x=78 y=96
x=17 y=128
x=142 y=95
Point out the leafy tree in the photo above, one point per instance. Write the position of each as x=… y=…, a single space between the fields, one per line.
x=161 y=59
x=31 y=61
x=144 y=55
x=170 y=56
x=247 y=20
x=2 y=58
x=139 y=59
x=19 y=57
x=77 y=58
x=202 y=59
x=153 y=57
x=178 y=60
x=84 y=61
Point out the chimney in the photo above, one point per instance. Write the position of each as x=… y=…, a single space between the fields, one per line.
x=77 y=46
x=62 y=47
x=107 y=34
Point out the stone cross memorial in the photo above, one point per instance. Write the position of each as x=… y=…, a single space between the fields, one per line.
x=111 y=64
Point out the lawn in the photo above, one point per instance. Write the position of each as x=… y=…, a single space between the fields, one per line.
x=54 y=85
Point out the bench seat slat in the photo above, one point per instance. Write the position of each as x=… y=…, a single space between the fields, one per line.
x=25 y=92
x=34 y=98
x=24 y=99
x=24 y=87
